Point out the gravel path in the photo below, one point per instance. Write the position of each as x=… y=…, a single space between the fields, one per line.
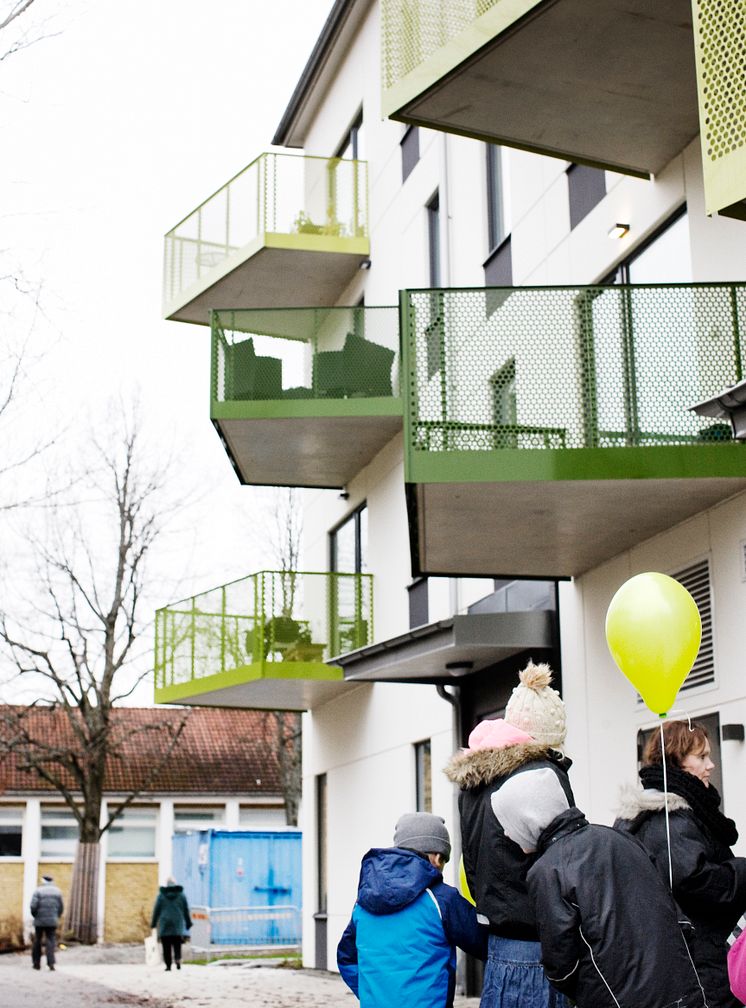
x=100 y=976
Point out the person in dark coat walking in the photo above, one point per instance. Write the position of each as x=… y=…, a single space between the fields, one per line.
x=611 y=934
x=171 y=917
x=46 y=909
x=399 y=948
x=707 y=881
x=532 y=735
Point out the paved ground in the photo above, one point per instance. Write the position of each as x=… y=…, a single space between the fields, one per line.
x=116 y=975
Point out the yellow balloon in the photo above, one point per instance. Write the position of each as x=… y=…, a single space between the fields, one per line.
x=462 y=883
x=653 y=629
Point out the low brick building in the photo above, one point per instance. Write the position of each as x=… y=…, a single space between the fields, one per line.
x=223 y=773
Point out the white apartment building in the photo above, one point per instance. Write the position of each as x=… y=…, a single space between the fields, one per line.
x=477 y=493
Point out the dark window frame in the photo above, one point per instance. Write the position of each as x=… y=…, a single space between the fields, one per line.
x=432 y=208
x=423 y=775
x=496 y=230
x=360 y=560
x=410 y=151
x=351 y=137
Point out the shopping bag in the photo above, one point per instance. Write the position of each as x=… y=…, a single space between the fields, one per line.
x=737 y=960
x=152 y=949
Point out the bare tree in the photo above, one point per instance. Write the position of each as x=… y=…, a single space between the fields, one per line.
x=77 y=647
x=16 y=29
x=284 y=534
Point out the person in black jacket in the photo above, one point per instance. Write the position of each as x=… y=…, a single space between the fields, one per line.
x=172 y=918
x=707 y=881
x=532 y=735
x=609 y=929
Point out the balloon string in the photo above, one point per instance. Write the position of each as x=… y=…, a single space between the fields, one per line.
x=665 y=803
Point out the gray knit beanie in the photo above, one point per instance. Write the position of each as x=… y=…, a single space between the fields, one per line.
x=423 y=832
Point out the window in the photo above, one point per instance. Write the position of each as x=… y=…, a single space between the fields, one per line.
x=711 y=724
x=321 y=834
x=348 y=551
x=663 y=258
x=586 y=188
x=261 y=817
x=410 y=151
x=496 y=229
x=11 y=830
x=433 y=239
x=59 y=832
x=197 y=817
x=132 y=835
x=351 y=144
x=696 y=580
x=423 y=777
x=418 y=602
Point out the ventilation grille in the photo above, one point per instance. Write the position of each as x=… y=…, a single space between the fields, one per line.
x=722 y=39
x=696 y=580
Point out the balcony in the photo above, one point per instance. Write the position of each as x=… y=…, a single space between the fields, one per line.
x=305 y=396
x=262 y=642
x=608 y=84
x=547 y=429
x=286 y=231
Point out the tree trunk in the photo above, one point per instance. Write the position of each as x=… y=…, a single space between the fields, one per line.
x=82 y=909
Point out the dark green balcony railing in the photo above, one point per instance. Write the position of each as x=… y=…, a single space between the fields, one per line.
x=551 y=369
x=305 y=353
x=269 y=623
x=277 y=194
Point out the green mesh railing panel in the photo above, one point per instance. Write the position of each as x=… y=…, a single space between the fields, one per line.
x=277 y=193
x=412 y=30
x=265 y=619
x=720 y=51
x=570 y=367
x=305 y=353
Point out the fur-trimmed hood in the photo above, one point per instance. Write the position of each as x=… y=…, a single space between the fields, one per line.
x=471 y=768
x=633 y=801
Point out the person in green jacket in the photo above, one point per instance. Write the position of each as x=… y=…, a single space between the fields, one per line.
x=171 y=917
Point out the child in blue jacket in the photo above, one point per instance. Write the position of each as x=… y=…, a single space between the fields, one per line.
x=400 y=945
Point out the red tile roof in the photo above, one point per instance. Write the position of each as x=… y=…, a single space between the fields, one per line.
x=219 y=751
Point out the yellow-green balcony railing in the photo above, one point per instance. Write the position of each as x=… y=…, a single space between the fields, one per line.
x=302 y=200
x=272 y=625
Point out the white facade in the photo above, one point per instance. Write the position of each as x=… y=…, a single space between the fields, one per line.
x=363 y=742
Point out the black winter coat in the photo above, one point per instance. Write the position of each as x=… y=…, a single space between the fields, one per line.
x=709 y=883
x=495 y=866
x=609 y=929
x=171 y=912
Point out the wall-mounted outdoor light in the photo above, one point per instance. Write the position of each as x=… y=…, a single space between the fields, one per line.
x=618 y=230
x=365 y=264
x=732 y=733
x=730 y=404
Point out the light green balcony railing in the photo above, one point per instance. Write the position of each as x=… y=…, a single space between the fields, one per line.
x=541 y=371
x=277 y=194
x=412 y=31
x=305 y=353
x=269 y=624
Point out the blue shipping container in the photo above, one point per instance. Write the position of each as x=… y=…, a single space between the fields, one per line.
x=226 y=869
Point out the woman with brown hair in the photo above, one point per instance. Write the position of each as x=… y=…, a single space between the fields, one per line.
x=707 y=881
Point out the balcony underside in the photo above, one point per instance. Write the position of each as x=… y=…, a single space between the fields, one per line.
x=275 y=270
x=294 y=686
x=602 y=83
x=560 y=526
x=323 y=444
x=465 y=643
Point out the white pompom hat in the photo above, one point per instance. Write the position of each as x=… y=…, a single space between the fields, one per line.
x=536 y=708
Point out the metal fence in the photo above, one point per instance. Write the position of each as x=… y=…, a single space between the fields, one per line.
x=267 y=618
x=305 y=353
x=554 y=368
x=217 y=930
x=276 y=193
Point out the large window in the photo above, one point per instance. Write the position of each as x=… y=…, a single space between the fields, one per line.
x=410 y=151
x=663 y=258
x=496 y=226
x=132 y=834
x=423 y=776
x=11 y=830
x=433 y=240
x=321 y=838
x=351 y=145
x=59 y=832
x=586 y=188
x=189 y=818
x=349 y=543
x=348 y=552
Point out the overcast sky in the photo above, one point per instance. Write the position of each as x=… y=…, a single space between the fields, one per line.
x=113 y=128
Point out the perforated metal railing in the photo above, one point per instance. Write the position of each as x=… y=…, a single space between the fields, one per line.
x=305 y=353
x=412 y=30
x=276 y=193
x=265 y=619
x=553 y=368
